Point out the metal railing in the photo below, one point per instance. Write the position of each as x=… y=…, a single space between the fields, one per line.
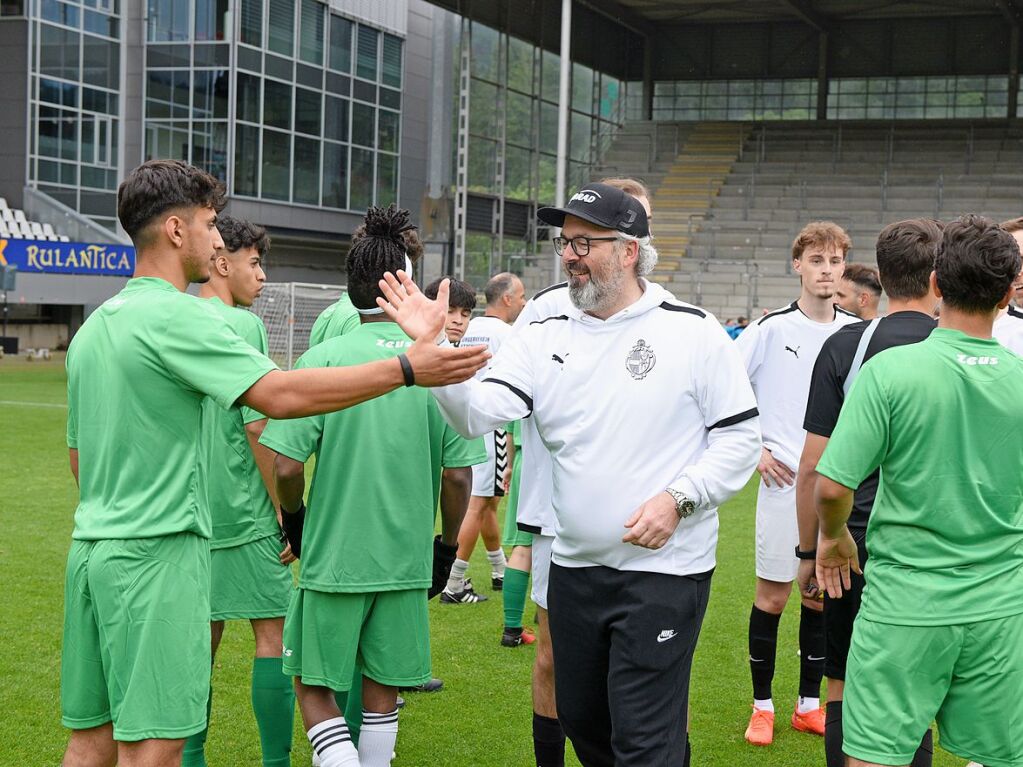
x=40 y=207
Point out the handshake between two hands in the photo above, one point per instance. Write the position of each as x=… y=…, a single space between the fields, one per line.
x=422 y=319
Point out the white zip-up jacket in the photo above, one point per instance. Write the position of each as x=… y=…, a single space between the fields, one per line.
x=654 y=396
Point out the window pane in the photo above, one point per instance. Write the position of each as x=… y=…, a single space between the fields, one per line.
x=100 y=62
x=582 y=88
x=362 y=179
x=58 y=52
x=276 y=165
x=168 y=20
x=335 y=176
x=482 y=109
x=209 y=19
x=391 y=61
x=246 y=159
x=482 y=166
x=276 y=104
x=248 y=98
x=209 y=148
x=580 y=137
x=387 y=179
x=550 y=75
x=307 y=111
x=49 y=131
x=311 y=34
x=340 y=44
x=306 y=183
x=363 y=124
x=252 y=22
x=282 y=27
x=209 y=97
x=366 y=64
x=485 y=50
x=387 y=131
x=335 y=117
x=516 y=173
x=520 y=119
x=520 y=65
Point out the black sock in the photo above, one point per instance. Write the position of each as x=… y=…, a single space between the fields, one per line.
x=763 y=644
x=925 y=754
x=811 y=652
x=689 y=753
x=548 y=741
x=833 y=755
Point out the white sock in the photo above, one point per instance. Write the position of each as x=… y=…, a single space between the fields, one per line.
x=458 y=571
x=806 y=705
x=764 y=705
x=497 y=562
x=377 y=738
x=333 y=744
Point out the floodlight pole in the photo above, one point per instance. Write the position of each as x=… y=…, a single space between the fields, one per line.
x=561 y=173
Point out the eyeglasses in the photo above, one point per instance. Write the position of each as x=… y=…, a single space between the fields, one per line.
x=580 y=244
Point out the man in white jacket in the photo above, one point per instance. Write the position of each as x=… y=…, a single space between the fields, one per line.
x=651 y=423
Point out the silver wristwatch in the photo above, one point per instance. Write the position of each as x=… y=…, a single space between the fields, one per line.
x=684 y=505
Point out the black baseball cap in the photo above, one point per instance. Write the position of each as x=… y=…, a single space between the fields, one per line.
x=603 y=205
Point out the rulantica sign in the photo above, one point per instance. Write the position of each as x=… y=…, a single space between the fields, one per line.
x=68 y=257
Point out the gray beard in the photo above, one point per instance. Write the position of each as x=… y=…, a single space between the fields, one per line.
x=595 y=295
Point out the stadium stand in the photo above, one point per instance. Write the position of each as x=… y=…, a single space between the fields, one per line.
x=14 y=225
x=729 y=199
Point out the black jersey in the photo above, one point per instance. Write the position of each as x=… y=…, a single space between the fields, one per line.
x=828 y=379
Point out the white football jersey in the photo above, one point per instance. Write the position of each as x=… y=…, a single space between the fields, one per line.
x=1008 y=330
x=780 y=350
x=486 y=331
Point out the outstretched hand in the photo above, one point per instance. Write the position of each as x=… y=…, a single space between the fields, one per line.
x=423 y=322
x=403 y=301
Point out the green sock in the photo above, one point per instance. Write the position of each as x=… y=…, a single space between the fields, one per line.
x=273 y=703
x=515 y=584
x=194 y=754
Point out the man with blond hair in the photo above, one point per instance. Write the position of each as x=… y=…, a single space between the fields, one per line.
x=779 y=350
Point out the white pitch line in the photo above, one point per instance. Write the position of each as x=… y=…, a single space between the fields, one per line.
x=31 y=404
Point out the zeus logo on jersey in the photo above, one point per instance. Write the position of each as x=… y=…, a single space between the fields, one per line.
x=641 y=360
x=971 y=361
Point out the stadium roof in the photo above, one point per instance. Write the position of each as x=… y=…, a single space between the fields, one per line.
x=814 y=12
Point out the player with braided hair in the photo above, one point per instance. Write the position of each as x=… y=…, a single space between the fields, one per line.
x=340 y=317
x=369 y=557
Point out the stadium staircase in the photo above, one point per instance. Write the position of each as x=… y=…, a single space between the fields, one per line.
x=726 y=245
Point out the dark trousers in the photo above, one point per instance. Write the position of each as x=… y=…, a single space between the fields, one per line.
x=623 y=649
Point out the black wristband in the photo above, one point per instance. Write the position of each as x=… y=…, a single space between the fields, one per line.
x=406 y=370
x=800 y=554
x=292 y=523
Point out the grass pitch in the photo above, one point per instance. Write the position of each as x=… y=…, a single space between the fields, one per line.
x=483 y=715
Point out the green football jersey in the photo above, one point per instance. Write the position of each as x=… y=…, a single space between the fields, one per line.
x=369 y=523
x=942 y=420
x=336 y=320
x=239 y=503
x=138 y=371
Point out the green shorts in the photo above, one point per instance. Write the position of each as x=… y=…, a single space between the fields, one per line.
x=511 y=535
x=967 y=677
x=386 y=632
x=249 y=581
x=136 y=646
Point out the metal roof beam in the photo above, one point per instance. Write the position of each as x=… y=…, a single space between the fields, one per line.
x=806 y=12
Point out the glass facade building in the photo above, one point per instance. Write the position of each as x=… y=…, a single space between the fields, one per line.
x=304 y=108
x=75 y=104
x=289 y=101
